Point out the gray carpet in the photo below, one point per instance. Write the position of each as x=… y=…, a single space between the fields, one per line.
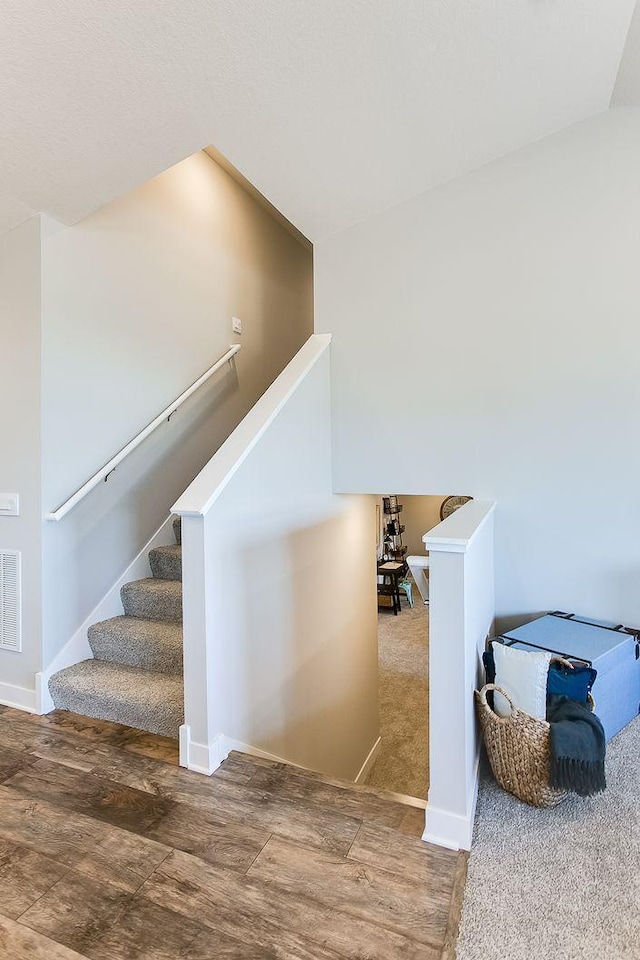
x=150 y=644
x=135 y=676
x=129 y=695
x=560 y=884
x=402 y=764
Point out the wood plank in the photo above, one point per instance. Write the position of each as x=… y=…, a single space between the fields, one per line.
x=24 y=876
x=26 y=737
x=294 y=785
x=47 y=829
x=251 y=762
x=150 y=745
x=232 y=769
x=76 y=911
x=82 y=792
x=455 y=907
x=281 y=863
x=123 y=860
x=304 y=822
x=11 y=761
x=365 y=891
x=145 y=929
x=413 y=822
x=106 y=732
x=147 y=770
x=432 y=866
x=296 y=820
x=204 y=835
x=73 y=840
x=19 y=943
x=294 y=928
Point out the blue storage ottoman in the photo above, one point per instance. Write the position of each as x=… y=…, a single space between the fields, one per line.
x=612 y=649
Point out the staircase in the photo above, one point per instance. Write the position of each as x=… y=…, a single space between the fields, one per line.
x=135 y=676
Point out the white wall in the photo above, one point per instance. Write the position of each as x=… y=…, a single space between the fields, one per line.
x=627 y=88
x=20 y=447
x=506 y=304
x=280 y=601
x=137 y=303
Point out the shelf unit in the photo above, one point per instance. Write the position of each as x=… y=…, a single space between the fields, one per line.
x=392 y=547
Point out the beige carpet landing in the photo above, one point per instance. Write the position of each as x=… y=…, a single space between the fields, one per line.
x=402 y=764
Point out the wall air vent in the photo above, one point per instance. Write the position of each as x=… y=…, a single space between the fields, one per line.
x=10 y=611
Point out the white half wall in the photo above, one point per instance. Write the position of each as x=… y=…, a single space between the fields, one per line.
x=138 y=301
x=280 y=616
x=503 y=307
x=461 y=615
x=20 y=445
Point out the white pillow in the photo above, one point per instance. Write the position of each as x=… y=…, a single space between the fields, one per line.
x=524 y=677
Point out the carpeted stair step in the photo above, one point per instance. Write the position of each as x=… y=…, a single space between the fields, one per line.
x=147 y=644
x=153 y=599
x=177 y=529
x=123 y=694
x=166 y=562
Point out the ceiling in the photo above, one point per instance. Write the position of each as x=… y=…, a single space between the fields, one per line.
x=334 y=109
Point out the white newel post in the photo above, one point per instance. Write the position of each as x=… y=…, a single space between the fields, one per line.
x=461 y=614
x=200 y=736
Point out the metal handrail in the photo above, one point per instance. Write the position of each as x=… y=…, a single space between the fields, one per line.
x=104 y=472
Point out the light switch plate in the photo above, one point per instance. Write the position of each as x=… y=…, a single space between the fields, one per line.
x=9 y=505
x=236 y=324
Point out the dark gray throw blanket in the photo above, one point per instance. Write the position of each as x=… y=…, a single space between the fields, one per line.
x=578 y=745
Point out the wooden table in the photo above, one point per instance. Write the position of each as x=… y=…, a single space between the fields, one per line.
x=391 y=571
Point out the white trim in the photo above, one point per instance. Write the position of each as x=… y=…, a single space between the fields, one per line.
x=44 y=703
x=19 y=697
x=459 y=530
x=452 y=830
x=369 y=761
x=77 y=648
x=204 y=758
x=202 y=493
x=405 y=799
x=166 y=414
x=252 y=751
x=184 y=735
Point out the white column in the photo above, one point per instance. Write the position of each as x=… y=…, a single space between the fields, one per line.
x=200 y=736
x=461 y=614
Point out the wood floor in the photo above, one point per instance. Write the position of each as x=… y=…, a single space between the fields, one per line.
x=110 y=851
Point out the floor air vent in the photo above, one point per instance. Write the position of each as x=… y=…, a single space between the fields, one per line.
x=10 y=627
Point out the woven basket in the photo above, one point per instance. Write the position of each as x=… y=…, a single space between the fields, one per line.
x=518 y=750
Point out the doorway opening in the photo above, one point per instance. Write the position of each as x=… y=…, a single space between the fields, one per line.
x=401 y=764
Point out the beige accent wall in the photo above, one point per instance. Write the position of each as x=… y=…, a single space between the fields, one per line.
x=137 y=303
x=419 y=515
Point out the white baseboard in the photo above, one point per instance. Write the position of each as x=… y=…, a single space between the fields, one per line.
x=77 y=648
x=369 y=762
x=241 y=747
x=19 y=697
x=453 y=830
x=204 y=758
x=44 y=702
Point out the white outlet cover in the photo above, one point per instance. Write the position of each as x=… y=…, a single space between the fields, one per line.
x=236 y=324
x=9 y=505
